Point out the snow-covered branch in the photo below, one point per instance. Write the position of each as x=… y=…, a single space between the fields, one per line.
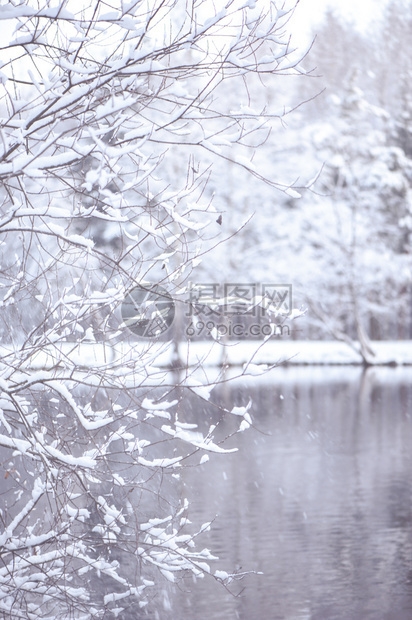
x=106 y=116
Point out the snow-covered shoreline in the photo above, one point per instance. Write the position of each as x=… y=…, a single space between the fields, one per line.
x=252 y=353
x=296 y=352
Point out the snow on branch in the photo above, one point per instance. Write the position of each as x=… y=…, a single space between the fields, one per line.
x=111 y=122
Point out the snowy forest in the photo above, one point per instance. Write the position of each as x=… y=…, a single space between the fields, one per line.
x=161 y=148
x=345 y=244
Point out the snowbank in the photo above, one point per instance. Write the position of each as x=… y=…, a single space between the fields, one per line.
x=250 y=353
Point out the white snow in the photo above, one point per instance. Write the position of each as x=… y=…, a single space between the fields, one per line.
x=164 y=463
x=273 y=351
x=196 y=439
x=221 y=574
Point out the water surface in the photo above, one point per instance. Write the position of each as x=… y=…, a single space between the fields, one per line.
x=319 y=499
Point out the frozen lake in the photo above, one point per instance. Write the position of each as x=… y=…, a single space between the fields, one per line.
x=319 y=499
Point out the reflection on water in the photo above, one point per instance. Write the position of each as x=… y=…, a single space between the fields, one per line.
x=319 y=499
